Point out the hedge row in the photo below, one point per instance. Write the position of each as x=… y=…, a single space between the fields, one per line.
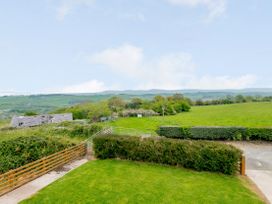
x=197 y=155
x=20 y=151
x=216 y=133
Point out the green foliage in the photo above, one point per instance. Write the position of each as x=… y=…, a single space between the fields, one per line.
x=258 y=134
x=92 y=111
x=98 y=110
x=229 y=99
x=135 y=103
x=116 y=103
x=74 y=131
x=174 y=132
x=216 y=133
x=23 y=150
x=170 y=105
x=30 y=113
x=77 y=130
x=198 y=155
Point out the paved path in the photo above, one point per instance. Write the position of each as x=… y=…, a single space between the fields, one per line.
x=34 y=186
x=259 y=165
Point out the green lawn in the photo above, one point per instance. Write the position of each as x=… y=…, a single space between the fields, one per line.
x=112 y=181
x=246 y=114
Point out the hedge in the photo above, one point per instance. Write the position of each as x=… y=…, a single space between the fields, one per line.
x=216 y=133
x=20 y=151
x=197 y=155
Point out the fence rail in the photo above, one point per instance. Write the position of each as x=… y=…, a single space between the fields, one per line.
x=17 y=177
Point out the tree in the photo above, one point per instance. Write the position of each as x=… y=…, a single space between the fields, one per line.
x=98 y=110
x=240 y=99
x=116 y=104
x=135 y=103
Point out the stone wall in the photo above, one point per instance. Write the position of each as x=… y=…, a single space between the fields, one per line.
x=30 y=121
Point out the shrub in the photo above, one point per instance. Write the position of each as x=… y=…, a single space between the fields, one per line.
x=258 y=134
x=174 y=132
x=23 y=150
x=198 y=155
x=77 y=130
x=216 y=133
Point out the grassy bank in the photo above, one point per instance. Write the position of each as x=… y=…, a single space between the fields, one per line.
x=112 y=181
x=246 y=114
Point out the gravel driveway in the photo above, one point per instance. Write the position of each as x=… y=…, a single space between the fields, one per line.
x=258 y=164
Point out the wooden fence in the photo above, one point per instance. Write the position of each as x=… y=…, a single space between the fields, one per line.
x=17 y=177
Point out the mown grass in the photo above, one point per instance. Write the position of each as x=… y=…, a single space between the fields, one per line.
x=112 y=181
x=246 y=114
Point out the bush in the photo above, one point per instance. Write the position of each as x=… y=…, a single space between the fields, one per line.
x=216 y=133
x=23 y=150
x=77 y=130
x=258 y=134
x=198 y=155
x=174 y=132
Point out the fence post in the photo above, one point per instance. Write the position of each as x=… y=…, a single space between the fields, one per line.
x=243 y=166
x=89 y=151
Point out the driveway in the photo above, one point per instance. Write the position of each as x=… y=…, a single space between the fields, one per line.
x=258 y=165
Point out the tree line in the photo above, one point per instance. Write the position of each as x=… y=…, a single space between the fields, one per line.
x=233 y=99
x=116 y=106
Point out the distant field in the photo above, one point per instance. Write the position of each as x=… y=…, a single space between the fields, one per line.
x=246 y=114
x=112 y=181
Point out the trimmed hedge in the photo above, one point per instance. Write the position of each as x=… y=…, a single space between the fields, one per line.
x=216 y=133
x=20 y=151
x=197 y=155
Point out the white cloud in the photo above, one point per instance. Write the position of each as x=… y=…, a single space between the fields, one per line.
x=125 y=59
x=92 y=86
x=216 y=7
x=67 y=6
x=172 y=71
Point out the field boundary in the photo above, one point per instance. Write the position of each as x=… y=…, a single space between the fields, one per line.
x=24 y=174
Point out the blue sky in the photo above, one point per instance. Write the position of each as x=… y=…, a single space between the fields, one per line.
x=51 y=46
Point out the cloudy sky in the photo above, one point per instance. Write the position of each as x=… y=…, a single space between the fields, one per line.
x=50 y=46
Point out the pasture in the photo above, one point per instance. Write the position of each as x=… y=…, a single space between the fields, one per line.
x=244 y=114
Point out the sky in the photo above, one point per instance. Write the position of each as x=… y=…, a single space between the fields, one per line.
x=86 y=46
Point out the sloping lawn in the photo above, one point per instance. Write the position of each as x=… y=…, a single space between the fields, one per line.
x=113 y=181
x=244 y=114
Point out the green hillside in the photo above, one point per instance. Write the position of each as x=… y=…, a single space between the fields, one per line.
x=16 y=105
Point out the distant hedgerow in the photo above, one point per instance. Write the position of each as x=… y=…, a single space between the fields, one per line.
x=216 y=133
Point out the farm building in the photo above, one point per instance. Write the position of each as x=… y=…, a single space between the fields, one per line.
x=30 y=121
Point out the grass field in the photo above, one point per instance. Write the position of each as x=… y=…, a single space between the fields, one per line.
x=112 y=181
x=246 y=114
